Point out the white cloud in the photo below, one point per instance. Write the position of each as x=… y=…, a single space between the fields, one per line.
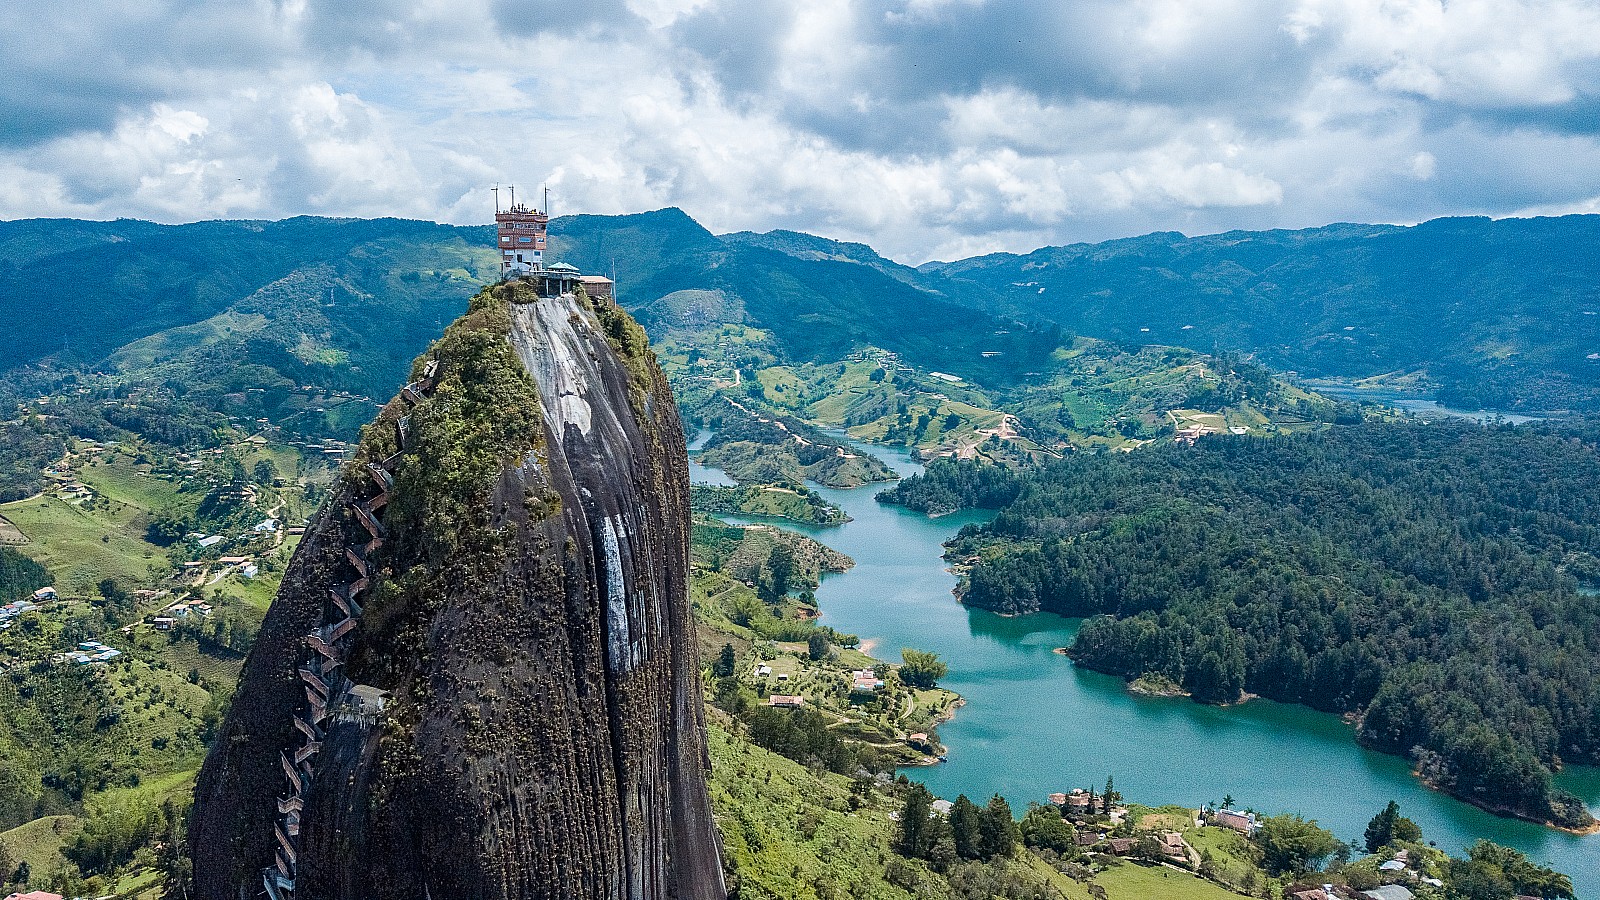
x=927 y=128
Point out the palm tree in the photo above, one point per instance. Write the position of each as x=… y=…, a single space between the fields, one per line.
x=1227 y=800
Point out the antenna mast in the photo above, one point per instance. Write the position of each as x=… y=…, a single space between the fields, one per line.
x=496 y=190
x=513 y=196
x=547 y=199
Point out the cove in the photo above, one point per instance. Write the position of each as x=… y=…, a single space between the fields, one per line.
x=1035 y=723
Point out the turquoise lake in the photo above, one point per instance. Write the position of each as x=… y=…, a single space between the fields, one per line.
x=1035 y=723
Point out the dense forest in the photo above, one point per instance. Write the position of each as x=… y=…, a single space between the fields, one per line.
x=19 y=575
x=1428 y=577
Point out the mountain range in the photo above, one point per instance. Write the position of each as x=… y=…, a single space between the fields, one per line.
x=1474 y=312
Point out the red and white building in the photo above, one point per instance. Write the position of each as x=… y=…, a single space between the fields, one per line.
x=521 y=233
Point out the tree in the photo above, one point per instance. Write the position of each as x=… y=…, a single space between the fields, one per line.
x=1380 y=831
x=1491 y=861
x=1044 y=828
x=265 y=472
x=780 y=572
x=1292 y=845
x=725 y=662
x=997 y=829
x=817 y=646
x=921 y=669
x=1227 y=801
x=1389 y=826
x=965 y=822
x=912 y=838
x=1110 y=798
x=172 y=852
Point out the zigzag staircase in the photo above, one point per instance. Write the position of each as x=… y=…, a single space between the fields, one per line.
x=322 y=659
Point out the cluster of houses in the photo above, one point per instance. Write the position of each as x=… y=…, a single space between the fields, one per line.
x=183 y=609
x=10 y=612
x=1080 y=805
x=93 y=653
x=1398 y=866
x=244 y=563
x=263 y=528
x=1342 y=892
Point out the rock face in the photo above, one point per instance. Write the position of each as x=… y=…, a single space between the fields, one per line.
x=479 y=677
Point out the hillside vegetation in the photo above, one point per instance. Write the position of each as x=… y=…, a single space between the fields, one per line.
x=1499 y=314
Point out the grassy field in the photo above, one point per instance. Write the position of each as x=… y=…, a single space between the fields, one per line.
x=82 y=545
x=1132 y=881
x=121 y=480
x=1226 y=849
x=39 y=843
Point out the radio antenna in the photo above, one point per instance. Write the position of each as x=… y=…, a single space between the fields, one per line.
x=496 y=190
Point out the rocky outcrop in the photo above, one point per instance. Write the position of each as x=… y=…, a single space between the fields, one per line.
x=515 y=711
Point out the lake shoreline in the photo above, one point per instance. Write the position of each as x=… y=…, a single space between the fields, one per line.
x=1020 y=699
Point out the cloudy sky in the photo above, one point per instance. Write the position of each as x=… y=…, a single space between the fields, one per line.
x=927 y=128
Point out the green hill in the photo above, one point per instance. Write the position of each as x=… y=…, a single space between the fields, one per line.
x=1499 y=314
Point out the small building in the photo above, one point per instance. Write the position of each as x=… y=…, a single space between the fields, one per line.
x=362 y=704
x=763 y=670
x=918 y=740
x=557 y=280
x=1172 y=845
x=366 y=699
x=1058 y=799
x=211 y=541
x=783 y=676
x=1310 y=894
x=1121 y=846
x=1393 y=865
x=163 y=623
x=865 y=681
x=943 y=807
x=45 y=593
x=1388 y=892
x=786 y=701
x=1079 y=801
x=598 y=287
x=266 y=526
x=1086 y=839
x=34 y=895
x=1244 y=823
x=249 y=570
x=232 y=560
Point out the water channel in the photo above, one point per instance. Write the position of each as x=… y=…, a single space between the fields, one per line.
x=1035 y=723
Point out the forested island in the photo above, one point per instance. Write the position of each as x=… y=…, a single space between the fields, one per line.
x=1428 y=579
